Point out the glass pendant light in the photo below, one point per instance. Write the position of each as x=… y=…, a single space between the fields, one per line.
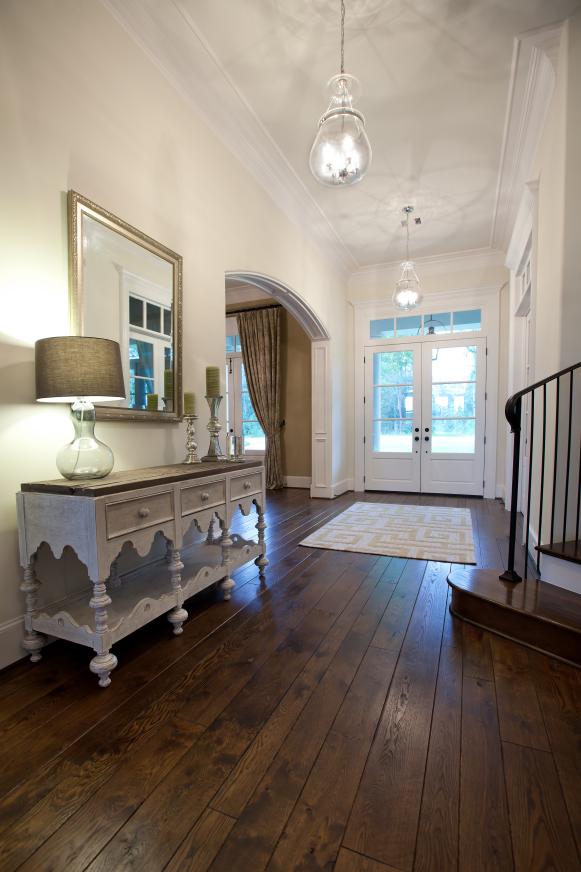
x=341 y=154
x=408 y=292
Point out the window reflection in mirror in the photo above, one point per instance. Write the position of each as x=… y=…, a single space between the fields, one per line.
x=127 y=287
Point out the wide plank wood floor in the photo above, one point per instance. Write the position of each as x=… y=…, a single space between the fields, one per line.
x=336 y=718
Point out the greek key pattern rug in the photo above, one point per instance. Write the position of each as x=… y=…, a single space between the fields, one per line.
x=421 y=532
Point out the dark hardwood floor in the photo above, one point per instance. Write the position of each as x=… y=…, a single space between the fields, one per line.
x=338 y=717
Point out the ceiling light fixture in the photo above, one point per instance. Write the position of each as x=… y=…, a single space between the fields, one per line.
x=341 y=153
x=408 y=292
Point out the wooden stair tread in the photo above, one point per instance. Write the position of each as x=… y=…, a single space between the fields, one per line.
x=570 y=550
x=531 y=612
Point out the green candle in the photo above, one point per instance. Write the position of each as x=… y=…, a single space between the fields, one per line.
x=168 y=384
x=152 y=402
x=189 y=403
x=213 y=381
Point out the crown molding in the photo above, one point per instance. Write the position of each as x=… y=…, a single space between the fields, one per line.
x=437 y=264
x=532 y=82
x=442 y=296
x=169 y=37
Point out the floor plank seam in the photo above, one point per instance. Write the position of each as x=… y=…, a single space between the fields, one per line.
x=396 y=663
x=431 y=724
x=289 y=816
x=504 y=784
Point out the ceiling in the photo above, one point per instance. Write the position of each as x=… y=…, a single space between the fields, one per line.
x=435 y=80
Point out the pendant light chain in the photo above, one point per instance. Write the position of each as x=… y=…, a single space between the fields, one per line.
x=407 y=236
x=342 y=36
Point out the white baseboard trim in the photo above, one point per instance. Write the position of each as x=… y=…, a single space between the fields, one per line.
x=341 y=487
x=11 y=633
x=322 y=493
x=297 y=481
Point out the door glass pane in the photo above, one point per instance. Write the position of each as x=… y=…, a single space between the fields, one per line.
x=392 y=436
x=469 y=320
x=453 y=436
x=441 y=322
x=454 y=364
x=393 y=368
x=410 y=325
x=381 y=328
x=395 y=402
x=456 y=400
x=140 y=358
x=167 y=322
x=248 y=413
x=254 y=439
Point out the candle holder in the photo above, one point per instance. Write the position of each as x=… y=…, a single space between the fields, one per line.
x=167 y=404
x=213 y=427
x=191 y=444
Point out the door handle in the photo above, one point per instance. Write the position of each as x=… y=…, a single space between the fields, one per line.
x=426 y=438
x=416 y=429
x=416 y=438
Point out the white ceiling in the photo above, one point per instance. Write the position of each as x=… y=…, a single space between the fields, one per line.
x=435 y=79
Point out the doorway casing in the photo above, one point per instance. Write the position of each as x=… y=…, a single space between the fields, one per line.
x=321 y=374
x=486 y=298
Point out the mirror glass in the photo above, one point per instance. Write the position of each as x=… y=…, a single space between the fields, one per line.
x=127 y=287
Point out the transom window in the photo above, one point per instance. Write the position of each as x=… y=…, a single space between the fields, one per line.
x=431 y=324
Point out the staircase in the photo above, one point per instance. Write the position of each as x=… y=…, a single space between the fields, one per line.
x=536 y=600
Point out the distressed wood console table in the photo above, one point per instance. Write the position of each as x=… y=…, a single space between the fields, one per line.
x=97 y=517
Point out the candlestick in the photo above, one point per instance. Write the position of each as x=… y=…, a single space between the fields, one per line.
x=191 y=444
x=168 y=383
x=213 y=381
x=214 y=427
x=189 y=403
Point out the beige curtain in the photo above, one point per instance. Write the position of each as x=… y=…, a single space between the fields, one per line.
x=259 y=332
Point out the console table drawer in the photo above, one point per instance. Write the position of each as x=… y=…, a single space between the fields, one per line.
x=135 y=514
x=245 y=485
x=203 y=496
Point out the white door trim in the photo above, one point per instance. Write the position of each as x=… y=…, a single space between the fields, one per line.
x=487 y=299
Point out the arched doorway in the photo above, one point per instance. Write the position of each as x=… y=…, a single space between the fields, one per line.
x=321 y=444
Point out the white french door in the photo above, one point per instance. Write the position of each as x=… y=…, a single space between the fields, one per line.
x=425 y=416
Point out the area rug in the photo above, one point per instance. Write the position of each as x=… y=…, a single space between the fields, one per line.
x=421 y=532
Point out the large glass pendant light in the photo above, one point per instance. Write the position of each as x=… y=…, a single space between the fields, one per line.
x=341 y=154
x=408 y=292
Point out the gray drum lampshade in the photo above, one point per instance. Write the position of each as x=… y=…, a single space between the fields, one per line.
x=73 y=367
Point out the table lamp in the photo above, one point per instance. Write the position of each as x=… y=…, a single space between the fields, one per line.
x=81 y=370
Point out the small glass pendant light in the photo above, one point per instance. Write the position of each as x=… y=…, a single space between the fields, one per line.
x=408 y=292
x=341 y=153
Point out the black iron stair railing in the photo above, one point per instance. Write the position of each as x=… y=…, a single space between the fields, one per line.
x=565 y=415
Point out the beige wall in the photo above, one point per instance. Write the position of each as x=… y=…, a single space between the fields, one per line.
x=295 y=365
x=82 y=107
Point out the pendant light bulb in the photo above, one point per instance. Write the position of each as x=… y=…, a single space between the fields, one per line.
x=408 y=291
x=341 y=153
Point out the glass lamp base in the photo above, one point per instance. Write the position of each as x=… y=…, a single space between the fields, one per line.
x=85 y=456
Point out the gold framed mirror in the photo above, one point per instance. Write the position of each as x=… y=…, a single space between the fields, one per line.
x=128 y=287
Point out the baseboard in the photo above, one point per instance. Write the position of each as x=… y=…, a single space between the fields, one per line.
x=297 y=481
x=341 y=487
x=322 y=493
x=11 y=633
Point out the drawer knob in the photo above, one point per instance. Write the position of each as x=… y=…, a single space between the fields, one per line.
x=143 y=512
x=247 y=485
x=205 y=497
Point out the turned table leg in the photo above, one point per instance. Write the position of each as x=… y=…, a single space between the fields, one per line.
x=104 y=661
x=261 y=561
x=227 y=584
x=33 y=642
x=178 y=614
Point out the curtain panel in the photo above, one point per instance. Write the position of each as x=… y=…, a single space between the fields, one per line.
x=259 y=332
